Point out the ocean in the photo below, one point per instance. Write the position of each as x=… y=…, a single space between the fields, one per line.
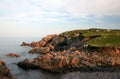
x=12 y=45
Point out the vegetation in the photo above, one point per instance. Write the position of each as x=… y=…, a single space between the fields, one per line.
x=107 y=37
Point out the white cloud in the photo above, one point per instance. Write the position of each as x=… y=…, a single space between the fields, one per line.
x=77 y=8
x=19 y=17
x=84 y=8
x=27 y=11
x=51 y=10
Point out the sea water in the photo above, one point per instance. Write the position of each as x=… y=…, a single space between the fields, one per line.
x=12 y=45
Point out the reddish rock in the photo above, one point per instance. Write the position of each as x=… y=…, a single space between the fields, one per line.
x=42 y=43
x=44 y=61
x=43 y=50
x=51 y=46
x=57 y=61
x=13 y=55
x=64 y=62
x=46 y=39
x=49 y=37
x=75 y=62
x=34 y=44
x=57 y=53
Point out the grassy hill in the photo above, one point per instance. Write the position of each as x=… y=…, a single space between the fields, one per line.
x=107 y=37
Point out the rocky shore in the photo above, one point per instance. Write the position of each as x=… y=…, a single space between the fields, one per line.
x=5 y=72
x=60 y=53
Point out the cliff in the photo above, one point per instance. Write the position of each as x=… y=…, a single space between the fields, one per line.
x=84 y=50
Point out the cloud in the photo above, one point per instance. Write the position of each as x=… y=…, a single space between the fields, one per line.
x=29 y=11
x=74 y=8
x=24 y=11
x=84 y=8
x=41 y=17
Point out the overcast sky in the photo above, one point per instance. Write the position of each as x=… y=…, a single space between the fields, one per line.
x=34 y=18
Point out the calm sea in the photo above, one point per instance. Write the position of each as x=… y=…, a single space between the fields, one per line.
x=12 y=45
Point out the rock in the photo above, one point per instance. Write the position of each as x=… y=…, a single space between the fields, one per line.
x=59 y=61
x=49 y=37
x=44 y=61
x=38 y=46
x=60 y=53
x=25 y=44
x=46 y=39
x=51 y=47
x=25 y=64
x=58 y=40
x=75 y=62
x=13 y=55
x=42 y=43
x=43 y=50
x=5 y=72
x=59 y=43
x=31 y=52
x=34 y=44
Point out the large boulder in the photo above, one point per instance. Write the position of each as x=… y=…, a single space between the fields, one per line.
x=43 y=50
x=25 y=64
x=46 y=40
x=49 y=37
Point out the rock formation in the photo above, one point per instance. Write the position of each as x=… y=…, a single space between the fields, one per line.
x=25 y=44
x=62 y=53
x=5 y=72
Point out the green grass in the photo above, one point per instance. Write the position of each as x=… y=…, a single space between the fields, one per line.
x=107 y=38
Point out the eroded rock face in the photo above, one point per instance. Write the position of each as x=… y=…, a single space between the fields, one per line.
x=60 y=53
x=5 y=72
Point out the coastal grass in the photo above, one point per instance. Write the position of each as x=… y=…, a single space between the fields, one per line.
x=107 y=37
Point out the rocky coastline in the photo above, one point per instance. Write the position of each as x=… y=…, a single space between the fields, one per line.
x=5 y=72
x=60 y=53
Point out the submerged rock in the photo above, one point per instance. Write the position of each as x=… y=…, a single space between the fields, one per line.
x=5 y=72
x=13 y=55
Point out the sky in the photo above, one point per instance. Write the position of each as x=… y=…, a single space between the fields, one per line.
x=34 y=18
